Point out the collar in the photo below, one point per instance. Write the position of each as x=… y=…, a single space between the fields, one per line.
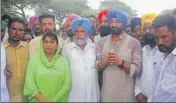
x=121 y=36
x=174 y=51
x=23 y=44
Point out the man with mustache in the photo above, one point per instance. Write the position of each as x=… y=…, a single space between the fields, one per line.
x=103 y=25
x=47 y=23
x=119 y=56
x=144 y=83
x=35 y=25
x=104 y=30
x=68 y=27
x=165 y=67
x=17 y=58
x=81 y=56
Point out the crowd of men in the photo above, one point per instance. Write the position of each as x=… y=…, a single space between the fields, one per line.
x=133 y=62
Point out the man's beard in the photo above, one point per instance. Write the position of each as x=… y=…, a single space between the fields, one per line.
x=165 y=49
x=104 y=31
x=70 y=33
x=49 y=30
x=37 y=31
x=116 y=31
x=14 y=40
x=149 y=39
x=80 y=41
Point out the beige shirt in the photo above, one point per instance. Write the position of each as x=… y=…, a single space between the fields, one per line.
x=17 y=60
x=117 y=84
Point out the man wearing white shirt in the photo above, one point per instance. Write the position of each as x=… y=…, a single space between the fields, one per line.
x=144 y=83
x=165 y=67
x=81 y=56
x=4 y=90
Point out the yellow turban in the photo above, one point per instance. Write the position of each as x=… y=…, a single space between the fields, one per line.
x=148 y=17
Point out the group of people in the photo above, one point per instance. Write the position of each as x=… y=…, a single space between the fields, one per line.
x=92 y=59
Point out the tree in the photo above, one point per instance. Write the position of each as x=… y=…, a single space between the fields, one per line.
x=167 y=11
x=61 y=8
x=17 y=7
x=116 y=4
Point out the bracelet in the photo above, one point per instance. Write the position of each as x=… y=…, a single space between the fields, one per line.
x=121 y=65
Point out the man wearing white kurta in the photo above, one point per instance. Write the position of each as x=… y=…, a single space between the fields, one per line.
x=4 y=90
x=144 y=84
x=81 y=56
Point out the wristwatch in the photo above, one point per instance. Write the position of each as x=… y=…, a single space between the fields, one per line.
x=121 y=65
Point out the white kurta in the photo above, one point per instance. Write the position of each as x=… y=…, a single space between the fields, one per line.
x=85 y=87
x=145 y=83
x=4 y=90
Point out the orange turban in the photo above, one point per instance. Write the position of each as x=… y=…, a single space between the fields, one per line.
x=101 y=13
x=148 y=17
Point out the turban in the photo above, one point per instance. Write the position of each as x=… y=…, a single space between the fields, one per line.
x=134 y=22
x=101 y=14
x=85 y=23
x=149 y=17
x=33 y=20
x=71 y=17
x=119 y=15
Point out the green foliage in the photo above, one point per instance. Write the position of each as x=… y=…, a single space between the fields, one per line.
x=116 y=4
x=167 y=11
x=89 y=12
x=59 y=8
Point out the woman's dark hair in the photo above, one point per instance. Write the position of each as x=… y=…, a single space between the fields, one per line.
x=51 y=35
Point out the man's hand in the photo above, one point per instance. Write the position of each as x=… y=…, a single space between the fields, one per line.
x=40 y=98
x=101 y=64
x=113 y=57
x=141 y=98
x=8 y=73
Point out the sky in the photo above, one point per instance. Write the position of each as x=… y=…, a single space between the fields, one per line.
x=143 y=6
